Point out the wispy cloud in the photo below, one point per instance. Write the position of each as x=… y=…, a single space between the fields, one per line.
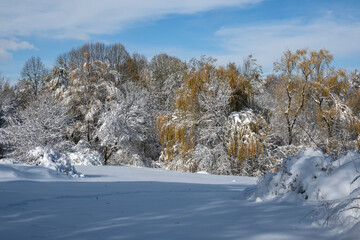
x=9 y=45
x=268 y=41
x=81 y=18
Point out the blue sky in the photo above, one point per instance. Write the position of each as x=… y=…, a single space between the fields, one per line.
x=228 y=30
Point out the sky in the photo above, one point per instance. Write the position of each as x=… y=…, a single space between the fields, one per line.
x=228 y=30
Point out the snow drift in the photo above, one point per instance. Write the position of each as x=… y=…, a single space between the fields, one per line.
x=314 y=176
x=48 y=163
x=54 y=160
x=82 y=154
x=17 y=172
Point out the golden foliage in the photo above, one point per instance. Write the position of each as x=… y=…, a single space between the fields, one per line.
x=245 y=140
x=175 y=137
x=176 y=131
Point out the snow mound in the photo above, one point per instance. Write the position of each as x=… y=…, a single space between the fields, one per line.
x=344 y=213
x=16 y=172
x=54 y=160
x=9 y=161
x=83 y=155
x=312 y=175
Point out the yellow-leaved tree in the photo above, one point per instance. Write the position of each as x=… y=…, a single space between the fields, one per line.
x=201 y=134
x=311 y=101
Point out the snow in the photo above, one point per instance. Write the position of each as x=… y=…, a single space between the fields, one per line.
x=8 y=161
x=82 y=154
x=116 y=202
x=314 y=176
x=334 y=184
x=15 y=172
x=54 y=160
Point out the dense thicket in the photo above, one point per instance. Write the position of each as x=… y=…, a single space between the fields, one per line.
x=194 y=116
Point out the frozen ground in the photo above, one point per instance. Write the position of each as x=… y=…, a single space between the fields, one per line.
x=137 y=203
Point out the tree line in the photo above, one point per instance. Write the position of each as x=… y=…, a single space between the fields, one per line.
x=187 y=116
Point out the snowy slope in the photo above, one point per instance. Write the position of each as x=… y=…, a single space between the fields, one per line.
x=137 y=203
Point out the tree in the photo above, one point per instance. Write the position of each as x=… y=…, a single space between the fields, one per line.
x=43 y=123
x=293 y=89
x=8 y=109
x=90 y=87
x=166 y=76
x=7 y=103
x=353 y=97
x=34 y=73
x=246 y=135
x=114 y=55
x=210 y=152
x=194 y=137
x=311 y=101
x=128 y=125
x=134 y=69
x=59 y=78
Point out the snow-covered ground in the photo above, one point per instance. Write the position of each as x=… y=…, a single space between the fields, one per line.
x=115 y=202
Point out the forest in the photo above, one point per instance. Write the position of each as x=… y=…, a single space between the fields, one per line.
x=119 y=108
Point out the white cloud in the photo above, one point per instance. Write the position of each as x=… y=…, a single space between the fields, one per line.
x=268 y=41
x=80 y=18
x=8 y=45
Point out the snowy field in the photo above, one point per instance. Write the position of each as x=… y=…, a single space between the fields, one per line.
x=115 y=202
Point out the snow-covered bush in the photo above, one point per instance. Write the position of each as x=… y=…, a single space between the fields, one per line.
x=314 y=176
x=8 y=161
x=297 y=175
x=54 y=160
x=214 y=160
x=344 y=212
x=82 y=154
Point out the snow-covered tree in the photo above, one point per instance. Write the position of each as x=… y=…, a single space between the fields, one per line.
x=7 y=103
x=195 y=136
x=353 y=96
x=166 y=76
x=43 y=123
x=8 y=107
x=90 y=87
x=210 y=153
x=246 y=133
x=126 y=130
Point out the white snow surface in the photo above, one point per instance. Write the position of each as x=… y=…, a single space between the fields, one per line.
x=116 y=202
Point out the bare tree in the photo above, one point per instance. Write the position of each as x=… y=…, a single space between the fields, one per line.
x=34 y=72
